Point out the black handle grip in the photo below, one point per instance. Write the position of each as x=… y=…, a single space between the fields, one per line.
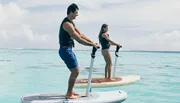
x=93 y=52
x=117 y=50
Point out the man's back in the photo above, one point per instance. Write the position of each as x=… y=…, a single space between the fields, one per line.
x=65 y=40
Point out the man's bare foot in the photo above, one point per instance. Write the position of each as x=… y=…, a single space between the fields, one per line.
x=74 y=93
x=70 y=96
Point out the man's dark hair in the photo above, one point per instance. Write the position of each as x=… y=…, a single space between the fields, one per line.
x=72 y=8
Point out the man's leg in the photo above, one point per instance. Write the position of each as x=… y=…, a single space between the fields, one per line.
x=74 y=73
x=71 y=62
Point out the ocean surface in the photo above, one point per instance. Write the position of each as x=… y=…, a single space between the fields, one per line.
x=27 y=71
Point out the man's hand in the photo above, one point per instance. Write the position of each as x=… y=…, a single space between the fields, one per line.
x=97 y=46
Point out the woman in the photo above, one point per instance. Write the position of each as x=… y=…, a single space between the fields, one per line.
x=105 y=42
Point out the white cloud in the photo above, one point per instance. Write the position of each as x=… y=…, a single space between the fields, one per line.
x=15 y=32
x=34 y=3
x=126 y=18
x=156 y=41
x=88 y=3
x=11 y=13
x=146 y=15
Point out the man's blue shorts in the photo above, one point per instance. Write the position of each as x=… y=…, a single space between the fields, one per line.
x=69 y=58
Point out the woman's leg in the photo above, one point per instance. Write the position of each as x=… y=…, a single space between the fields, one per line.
x=106 y=71
x=107 y=58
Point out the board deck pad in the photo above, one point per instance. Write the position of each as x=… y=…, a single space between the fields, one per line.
x=101 y=82
x=97 y=80
x=94 y=97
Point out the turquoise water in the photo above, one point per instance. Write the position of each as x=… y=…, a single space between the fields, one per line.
x=42 y=71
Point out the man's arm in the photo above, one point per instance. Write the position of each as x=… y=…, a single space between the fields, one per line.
x=70 y=29
x=82 y=35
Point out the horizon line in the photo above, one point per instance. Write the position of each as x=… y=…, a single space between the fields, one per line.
x=133 y=50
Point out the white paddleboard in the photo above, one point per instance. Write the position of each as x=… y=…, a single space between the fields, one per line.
x=125 y=80
x=95 y=97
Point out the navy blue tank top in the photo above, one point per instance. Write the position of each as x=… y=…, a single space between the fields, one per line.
x=65 y=40
x=104 y=43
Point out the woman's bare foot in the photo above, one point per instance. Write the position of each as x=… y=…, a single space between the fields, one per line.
x=111 y=79
x=70 y=96
x=74 y=93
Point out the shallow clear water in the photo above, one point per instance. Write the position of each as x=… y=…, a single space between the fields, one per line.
x=42 y=71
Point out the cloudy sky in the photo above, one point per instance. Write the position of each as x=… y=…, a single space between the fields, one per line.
x=135 y=24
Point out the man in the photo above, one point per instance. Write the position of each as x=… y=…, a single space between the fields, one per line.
x=67 y=33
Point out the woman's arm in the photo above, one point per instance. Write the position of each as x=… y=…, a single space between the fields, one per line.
x=104 y=35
